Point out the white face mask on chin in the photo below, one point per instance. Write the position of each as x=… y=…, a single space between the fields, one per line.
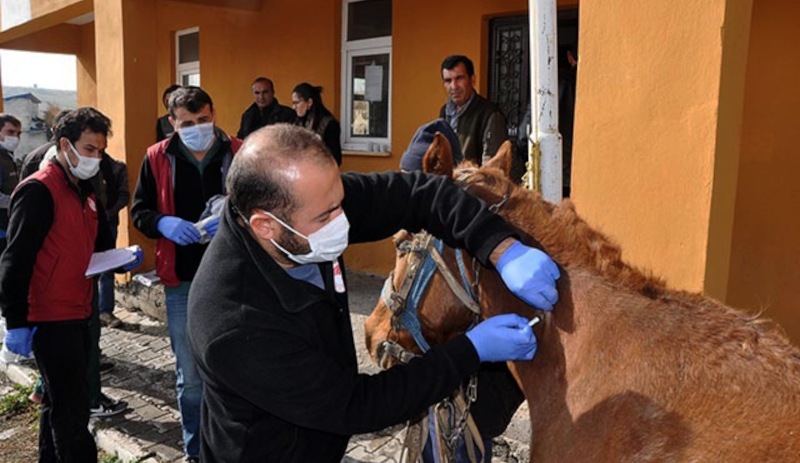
x=327 y=243
x=86 y=167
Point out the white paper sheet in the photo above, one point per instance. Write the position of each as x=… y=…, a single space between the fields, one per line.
x=110 y=260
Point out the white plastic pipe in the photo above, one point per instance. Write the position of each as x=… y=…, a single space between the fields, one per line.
x=544 y=95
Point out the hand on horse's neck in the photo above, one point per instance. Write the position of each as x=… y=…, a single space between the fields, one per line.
x=498 y=251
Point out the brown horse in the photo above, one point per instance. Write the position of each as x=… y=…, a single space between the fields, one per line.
x=627 y=369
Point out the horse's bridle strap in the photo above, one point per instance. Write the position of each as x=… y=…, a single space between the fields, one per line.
x=454 y=285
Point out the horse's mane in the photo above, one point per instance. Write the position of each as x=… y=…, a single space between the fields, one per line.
x=574 y=244
x=564 y=235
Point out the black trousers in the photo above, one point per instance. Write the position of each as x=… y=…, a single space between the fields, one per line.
x=62 y=354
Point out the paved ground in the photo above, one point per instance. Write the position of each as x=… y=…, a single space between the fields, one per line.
x=144 y=376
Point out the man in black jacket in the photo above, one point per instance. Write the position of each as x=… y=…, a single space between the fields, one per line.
x=10 y=128
x=268 y=314
x=265 y=109
x=479 y=123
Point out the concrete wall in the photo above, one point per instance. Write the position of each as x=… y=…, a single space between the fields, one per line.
x=765 y=254
x=646 y=130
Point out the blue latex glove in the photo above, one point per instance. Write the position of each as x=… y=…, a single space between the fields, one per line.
x=139 y=256
x=177 y=230
x=212 y=225
x=530 y=274
x=20 y=340
x=503 y=337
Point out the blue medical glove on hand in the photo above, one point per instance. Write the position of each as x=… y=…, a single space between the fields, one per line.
x=177 y=230
x=20 y=341
x=530 y=274
x=503 y=337
x=138 y=257
x=212 y=225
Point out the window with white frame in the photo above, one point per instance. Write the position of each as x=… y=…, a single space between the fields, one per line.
x=366 y=77
x=187 y=56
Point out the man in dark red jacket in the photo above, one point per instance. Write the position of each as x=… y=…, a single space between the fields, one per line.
x=178 y=177
x=54 y=227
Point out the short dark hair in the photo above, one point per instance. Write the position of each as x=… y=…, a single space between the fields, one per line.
x=264 y=80
x=6 y=118
x=72 y=124
x=256 y=178
x=454 y=60
x=168 y=91
x=191 y=98
x=52 y=131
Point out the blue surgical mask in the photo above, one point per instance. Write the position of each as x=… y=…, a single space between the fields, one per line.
x=198 y=137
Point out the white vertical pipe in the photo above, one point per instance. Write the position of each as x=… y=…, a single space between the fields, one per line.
x=544 y=93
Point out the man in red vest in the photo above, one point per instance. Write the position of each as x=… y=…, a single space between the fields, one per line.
x=179 y=176
x=54 y=227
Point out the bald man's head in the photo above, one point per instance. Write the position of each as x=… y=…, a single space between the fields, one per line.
x=270 y=160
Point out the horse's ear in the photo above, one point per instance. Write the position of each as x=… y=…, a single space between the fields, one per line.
x=438 y=159
x=503 y=158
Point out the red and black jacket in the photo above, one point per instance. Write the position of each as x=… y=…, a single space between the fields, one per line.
x=54 y=228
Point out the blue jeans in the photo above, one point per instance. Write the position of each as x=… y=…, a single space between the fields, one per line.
x=106 y=292
x=106 y=286
x=189 y=386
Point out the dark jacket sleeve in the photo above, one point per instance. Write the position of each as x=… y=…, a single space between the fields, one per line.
x=144 y=210
x=333 y=139
x=105 y=237
x=244 y=125
x=120 y=171
x=494 y=134
x=377 y=205
x=309 y=388
x=31 y=216
x=159 y=133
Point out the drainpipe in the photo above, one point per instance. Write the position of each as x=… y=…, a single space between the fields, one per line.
x=544 y=140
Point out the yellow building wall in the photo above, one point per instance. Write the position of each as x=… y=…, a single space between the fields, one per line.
x=421 y=39
x=46 y=14
x=649 y=168
x=87 y=68
x=765 y=256
x=277 y=42
x=236 y=46
x=44 y=7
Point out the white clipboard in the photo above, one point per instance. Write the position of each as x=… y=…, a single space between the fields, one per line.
x=112 y=259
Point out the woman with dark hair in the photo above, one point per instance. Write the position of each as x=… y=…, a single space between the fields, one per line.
x=313 y=115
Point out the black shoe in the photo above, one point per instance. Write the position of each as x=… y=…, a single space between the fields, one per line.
x=109 y=320
x=108 y=407
x=105 y=365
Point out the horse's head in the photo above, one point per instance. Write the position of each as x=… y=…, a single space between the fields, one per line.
x=440 y=310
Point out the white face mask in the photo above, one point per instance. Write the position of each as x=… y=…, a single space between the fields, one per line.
x=10 y=143
x=199 y=137
x=86 y=168
x=327 y=243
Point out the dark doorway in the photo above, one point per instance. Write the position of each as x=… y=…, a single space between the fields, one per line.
x=509 y=81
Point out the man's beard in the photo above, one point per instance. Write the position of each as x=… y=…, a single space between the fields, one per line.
x=293 y=243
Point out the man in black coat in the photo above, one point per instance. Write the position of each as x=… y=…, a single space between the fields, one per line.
x=269 y=322
x=265 y=109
